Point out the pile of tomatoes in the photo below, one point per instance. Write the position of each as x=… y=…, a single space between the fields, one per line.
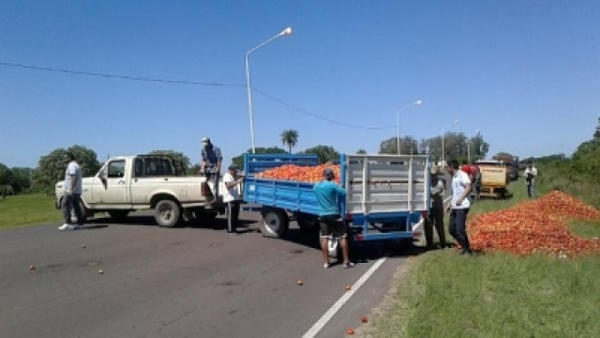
x=290 y=172
x=536 y=226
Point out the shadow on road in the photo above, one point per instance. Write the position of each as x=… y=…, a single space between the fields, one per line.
x=216 y=224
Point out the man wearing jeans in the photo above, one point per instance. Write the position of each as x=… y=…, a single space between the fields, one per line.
x=459 y=206
x=72 y=198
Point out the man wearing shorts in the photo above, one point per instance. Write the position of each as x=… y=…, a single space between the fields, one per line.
x=329 y=196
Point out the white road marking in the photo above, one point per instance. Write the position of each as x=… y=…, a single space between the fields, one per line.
x=318 y=326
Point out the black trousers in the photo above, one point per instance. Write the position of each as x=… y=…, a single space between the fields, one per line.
x=233 y=216
x=458 y=227
x=435 y=219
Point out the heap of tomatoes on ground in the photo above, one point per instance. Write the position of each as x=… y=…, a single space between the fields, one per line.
x=535 y=226
x=291 y=172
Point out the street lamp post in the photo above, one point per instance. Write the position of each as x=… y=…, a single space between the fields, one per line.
x=398 y=145
x=443 y=144
x=286 y=31
x=469 y=146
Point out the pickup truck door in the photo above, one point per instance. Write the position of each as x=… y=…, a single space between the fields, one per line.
x=115 y=191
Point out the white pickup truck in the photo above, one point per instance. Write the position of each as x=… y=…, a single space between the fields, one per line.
x=145 y=182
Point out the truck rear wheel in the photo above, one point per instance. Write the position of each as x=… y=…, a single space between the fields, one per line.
x=275 y=223
x=167 y=213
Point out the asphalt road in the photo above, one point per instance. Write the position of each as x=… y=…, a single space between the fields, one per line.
x=184 y=282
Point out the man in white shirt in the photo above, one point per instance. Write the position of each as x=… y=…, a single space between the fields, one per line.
x=72 y=198
x=232 y=198
x=459 y=206
x=530 y=175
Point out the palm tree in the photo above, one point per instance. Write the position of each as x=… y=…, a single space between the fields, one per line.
x=289 y=138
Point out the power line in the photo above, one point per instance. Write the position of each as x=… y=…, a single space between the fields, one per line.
x=315 y=115
x=122 y=77
x=185 y=82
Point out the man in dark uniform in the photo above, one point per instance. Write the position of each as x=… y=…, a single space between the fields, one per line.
x=211 y=165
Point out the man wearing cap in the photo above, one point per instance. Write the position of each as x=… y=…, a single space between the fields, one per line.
x=231 y=197
x=436 y=213
x=330 y=196
x=211 y=165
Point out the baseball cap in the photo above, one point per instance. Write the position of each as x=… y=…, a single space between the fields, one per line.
x=328 y=172
x=233 y=167
x=205 y=140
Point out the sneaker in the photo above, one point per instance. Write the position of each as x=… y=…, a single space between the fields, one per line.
x=68 y=227
x=348 y=265
x=326 y=265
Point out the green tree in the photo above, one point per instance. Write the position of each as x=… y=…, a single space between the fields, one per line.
x=289 y=138
x=239 y=160
x=479 y=147
x=5 y=174
x=408 y=145
x=21 y=179
x=503 y=156
x=177 y=156
x=51 y=167
x=597 y=132
x=324 y=153
x=361 y=151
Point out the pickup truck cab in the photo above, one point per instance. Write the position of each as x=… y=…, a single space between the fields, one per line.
x=146 y=182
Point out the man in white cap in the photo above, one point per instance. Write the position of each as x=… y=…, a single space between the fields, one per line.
x=210 y=165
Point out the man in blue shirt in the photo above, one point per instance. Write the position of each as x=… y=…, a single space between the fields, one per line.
x=211 y=165
x=330 y=196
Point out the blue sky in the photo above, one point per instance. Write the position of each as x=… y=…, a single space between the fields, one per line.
x=526 y=73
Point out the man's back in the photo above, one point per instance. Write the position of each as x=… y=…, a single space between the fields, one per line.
x=329 y=195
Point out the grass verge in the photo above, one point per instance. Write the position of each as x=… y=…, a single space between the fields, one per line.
x=27 y=209
x=494 y=295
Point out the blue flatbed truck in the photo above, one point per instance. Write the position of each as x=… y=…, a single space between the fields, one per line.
x=387 y=195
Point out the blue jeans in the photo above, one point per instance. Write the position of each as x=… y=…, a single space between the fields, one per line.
x=458 y=227
x=72 y=201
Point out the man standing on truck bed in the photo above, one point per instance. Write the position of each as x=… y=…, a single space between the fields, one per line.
x=211 y=165
x=459 y=206
x=72 y=197
x=329 y=196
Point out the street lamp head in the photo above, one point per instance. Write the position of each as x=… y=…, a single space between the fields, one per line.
x=418 y=102
x=286 y=31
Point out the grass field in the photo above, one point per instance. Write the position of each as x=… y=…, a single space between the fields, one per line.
x=440 y=294
x=28 y=209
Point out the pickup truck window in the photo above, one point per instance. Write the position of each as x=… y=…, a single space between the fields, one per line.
x=116 y=169
x=155 y=166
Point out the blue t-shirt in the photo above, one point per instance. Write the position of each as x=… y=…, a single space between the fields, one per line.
x=329 y=195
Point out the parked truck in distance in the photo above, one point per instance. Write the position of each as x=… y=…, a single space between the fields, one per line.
x=387 y=195
x=495 y=178
x=145 y=182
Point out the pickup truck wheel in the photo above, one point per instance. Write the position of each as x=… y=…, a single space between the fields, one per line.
x=275 y=223
x=118 y=215
x=167 y=213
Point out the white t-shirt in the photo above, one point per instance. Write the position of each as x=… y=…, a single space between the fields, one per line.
x=73 y=169
x=460 y=180
x=231 y=194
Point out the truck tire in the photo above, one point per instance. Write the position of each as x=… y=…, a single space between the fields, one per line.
x=117 y=215
x=275 y=223
x=167 y=213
